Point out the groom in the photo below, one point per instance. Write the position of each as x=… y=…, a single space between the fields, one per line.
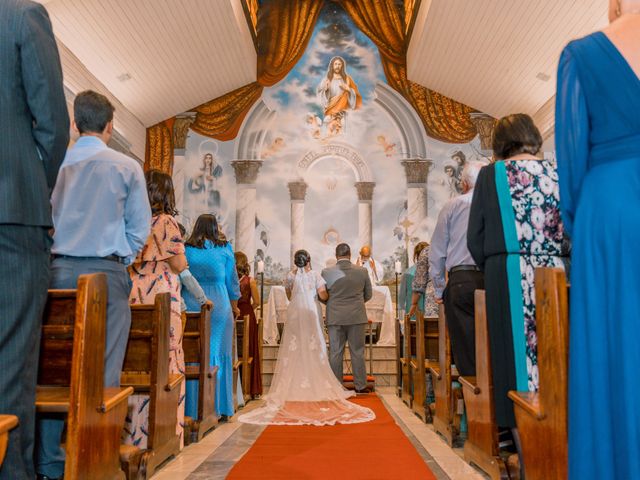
x=349 y=288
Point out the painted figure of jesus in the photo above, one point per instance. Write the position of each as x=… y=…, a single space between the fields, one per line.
x=338 y=93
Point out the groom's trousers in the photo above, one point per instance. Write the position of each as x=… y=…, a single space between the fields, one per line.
x=354 y=334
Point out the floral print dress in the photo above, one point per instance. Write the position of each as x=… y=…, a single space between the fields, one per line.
x=515 y=227
x=151 y=274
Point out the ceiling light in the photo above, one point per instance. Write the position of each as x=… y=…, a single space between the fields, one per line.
x=124 y=77
x=542 y=76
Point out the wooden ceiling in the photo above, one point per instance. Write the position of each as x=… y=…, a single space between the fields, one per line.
x=158 y=57
x=498 y=56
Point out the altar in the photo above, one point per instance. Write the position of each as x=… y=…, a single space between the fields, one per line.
x=379 y=310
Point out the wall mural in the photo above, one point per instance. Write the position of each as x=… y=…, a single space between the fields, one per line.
x=329 y=154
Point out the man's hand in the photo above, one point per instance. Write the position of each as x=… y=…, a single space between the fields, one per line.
x=439 y=301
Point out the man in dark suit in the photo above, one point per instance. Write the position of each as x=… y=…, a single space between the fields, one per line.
x=349 y=288
x=34 y=134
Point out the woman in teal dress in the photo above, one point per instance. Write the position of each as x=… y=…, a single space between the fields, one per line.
x=212 y=263
x=598 y=149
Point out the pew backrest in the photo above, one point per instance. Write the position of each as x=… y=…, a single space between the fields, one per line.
x=196 y=346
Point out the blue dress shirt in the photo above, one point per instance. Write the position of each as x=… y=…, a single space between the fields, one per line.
x=449 y=240
x=100 y=205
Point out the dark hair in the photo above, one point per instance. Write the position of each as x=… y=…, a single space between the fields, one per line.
x=206 y=228
x=342 y=73
x=343 y=250
x=92 y=111
x=417 y=250
x=183 y=230
x=515 y=134
x=160 y=191
x=242 y=264
x=301 y=258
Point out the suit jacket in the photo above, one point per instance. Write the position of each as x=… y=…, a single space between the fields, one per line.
x=33 y=113
x=349 y=288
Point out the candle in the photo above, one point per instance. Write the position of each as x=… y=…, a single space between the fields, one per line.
x=398 y=266
x=260 y=266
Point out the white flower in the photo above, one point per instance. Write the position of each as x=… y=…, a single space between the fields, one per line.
x=537 y=218
x=527 y=232
x=546 y=185
x=537 y=198
x=533 y=166
x=536 y=247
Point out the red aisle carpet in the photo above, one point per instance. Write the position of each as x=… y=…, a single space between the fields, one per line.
x=371 y=450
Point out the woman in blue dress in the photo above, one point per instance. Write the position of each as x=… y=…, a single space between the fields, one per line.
x=212 y=263
x=598 y=150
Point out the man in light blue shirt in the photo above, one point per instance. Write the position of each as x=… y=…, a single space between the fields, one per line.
x=449 y=253
x=102 y=218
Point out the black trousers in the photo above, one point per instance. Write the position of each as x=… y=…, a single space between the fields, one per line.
x=24 y=280
x=459 y=310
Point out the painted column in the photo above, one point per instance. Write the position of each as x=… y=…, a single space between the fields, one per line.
x=365 y=216
x=298 y=192
x=180 y=134
x=417 y=173
x=246 y=172
x=484 y=125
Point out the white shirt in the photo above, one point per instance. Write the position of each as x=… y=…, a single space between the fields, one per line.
x=373 y=268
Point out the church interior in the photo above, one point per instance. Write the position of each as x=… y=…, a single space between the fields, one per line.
x=218 y=154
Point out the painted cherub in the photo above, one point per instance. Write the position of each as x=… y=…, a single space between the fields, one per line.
x=388 y=148
x=313 y=124
x=276 y=145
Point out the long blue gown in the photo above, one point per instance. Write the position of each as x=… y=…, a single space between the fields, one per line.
x=598 y=150
x=215 y=269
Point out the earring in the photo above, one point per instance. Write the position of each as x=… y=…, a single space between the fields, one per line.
x=618 y=9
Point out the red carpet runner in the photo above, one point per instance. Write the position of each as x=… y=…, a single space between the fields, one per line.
x=372 y=450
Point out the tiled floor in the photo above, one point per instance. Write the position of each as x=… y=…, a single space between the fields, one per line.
x=216 y=454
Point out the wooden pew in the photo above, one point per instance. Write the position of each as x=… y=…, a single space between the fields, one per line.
x=196 y=345
x=443 y=374
x=481 y=446
x=146 y=369
x=7 y=422
x=542 y=416
x=244 y=361
x=422 y=358
x=406 y=392
x=71 y=379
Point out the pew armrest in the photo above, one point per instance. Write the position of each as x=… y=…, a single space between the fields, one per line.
x=113 y=396
x=52 y=399
x=175 y=379
x=470 y=383
x=7 y=422
x=435 y=370
x=529 y=402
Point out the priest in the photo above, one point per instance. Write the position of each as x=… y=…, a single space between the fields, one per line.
x=374 y=268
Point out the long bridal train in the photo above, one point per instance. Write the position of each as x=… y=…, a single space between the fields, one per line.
x=304 y=390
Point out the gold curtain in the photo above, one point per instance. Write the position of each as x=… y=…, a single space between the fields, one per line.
x=159 y=147
x=443 y=118
x=284 y=30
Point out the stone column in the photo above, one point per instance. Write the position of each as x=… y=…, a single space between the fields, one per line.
x=484 y=125
x=246 y=175
x=180 y=133
x=365 y=217
x=417 y=172
x=298 y=192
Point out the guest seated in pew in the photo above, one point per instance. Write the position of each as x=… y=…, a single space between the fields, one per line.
x=156 y=270
x=514 y=227
x=101 y=217
x=212 y=263
x=247 y=303
x=449 y=253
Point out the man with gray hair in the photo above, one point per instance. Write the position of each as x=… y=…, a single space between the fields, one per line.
x=449 y=253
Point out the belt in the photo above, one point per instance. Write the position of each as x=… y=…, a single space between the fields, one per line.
x=463 y=268
x=112 y=258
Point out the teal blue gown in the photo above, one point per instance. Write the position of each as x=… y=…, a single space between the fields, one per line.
x=598 y=150
x=215 y=269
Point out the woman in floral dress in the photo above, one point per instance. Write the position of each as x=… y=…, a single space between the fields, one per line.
x=154 y=271
x=514 y=227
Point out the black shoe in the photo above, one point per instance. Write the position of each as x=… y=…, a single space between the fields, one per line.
x=364 y=391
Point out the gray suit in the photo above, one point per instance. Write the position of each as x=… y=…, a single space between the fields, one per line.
x=349 y=288
x=34 y=134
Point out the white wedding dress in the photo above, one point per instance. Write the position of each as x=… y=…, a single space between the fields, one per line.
x=304 y=390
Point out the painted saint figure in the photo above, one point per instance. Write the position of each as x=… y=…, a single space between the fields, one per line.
x=338 y=93
x=206 y=181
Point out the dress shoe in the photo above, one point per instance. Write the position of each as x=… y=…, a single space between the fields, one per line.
x=364 y=391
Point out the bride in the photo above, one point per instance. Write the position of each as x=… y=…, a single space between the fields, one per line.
x=304 y=390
